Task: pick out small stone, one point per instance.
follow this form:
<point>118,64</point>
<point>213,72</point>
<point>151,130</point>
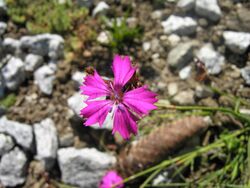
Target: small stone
<point>83,167</point>
<point>162,178</point>
<point>13,168</point>
<point>186,5</point>
<point>179,25</point>
<point>101,8</point>
<point>66,140</point>
<point>203,22</point>
<point>155,56</point>
<point>12,46</point>
<point>22,133</point>
<point>44,77</point>
<point>6,144</point>
<point>209,9</point>
<point>185,72</point>
<point>181,55</point>
<point>78,78</point>
<point>243,15</point>
<point>132,22</point>
<point>213,60</point>
<point>157,14</point>
<point>174,39</point>
<point>202,92</point>
<point>46,142</point>
<point>146,46</point>
<point>155,45</point>
<point>184,98</point>
<point>3,27</point>
<point>245,73</point>
<point>13,73</point>
<point>32,62</point>
<point>104,37</point>
<point>238,42</point>
<point>172,89</point>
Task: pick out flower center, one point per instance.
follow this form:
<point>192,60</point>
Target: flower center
<point>116,95</point>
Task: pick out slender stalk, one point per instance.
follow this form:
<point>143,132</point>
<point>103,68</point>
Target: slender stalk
<point>206,108</point>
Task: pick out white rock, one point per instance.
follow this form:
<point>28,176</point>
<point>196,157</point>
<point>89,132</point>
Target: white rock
<point>209,9</point>
<point>12,46</point>
<point>172,88</point>
<point>181,55</point>
<point>32,62</point>
<point>173,39</point>
<point>22,133</point>
<point>78,78</point>
<point>245,73</point>
<point>155,56</point>
<point>100,8</point>
<point>3,27</point>
<point>50,45</point>
<point>46,142</point>
<point>179,25</point>
<point>104,37</point>
<point>238,42</point>
<point>184,98</point>
<point>44,77</point>
<point>13,168</point>
<point>13,73</point>
<point>213,60</point>
<point>6,144</point>
<point>76,103</point>
<point>185,72</point>
<point>186,5</point>
<point>146,46</point>
<point>83,167</point>
<point>56,47</point>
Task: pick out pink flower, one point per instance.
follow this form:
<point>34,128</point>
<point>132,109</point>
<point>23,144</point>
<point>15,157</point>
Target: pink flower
<point>110,179</point>
<point>125,104</point>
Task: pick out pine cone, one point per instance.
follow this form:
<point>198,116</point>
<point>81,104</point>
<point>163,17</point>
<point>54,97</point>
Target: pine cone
<point>159,144</point>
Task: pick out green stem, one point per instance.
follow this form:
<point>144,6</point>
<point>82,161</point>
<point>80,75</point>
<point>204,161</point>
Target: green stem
<point>206,108</point>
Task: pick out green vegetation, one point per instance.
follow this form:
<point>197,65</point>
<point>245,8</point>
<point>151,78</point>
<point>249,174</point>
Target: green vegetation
<point>122,35</point>
<point>45,16</point>
<point>224,161</point>
<point>8,101</point>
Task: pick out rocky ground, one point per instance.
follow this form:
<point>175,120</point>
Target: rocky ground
<point>42,140</point>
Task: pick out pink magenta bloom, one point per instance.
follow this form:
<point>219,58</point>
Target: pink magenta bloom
<point>110,179</point>
<point>124,105</point>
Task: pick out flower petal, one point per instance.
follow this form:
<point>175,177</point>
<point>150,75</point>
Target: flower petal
<point>124,122</point>
<point>96,111</point>
<point>94,86</point>
<point>111,178</point>
<point>123,70</point>
<point>140,100</point>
